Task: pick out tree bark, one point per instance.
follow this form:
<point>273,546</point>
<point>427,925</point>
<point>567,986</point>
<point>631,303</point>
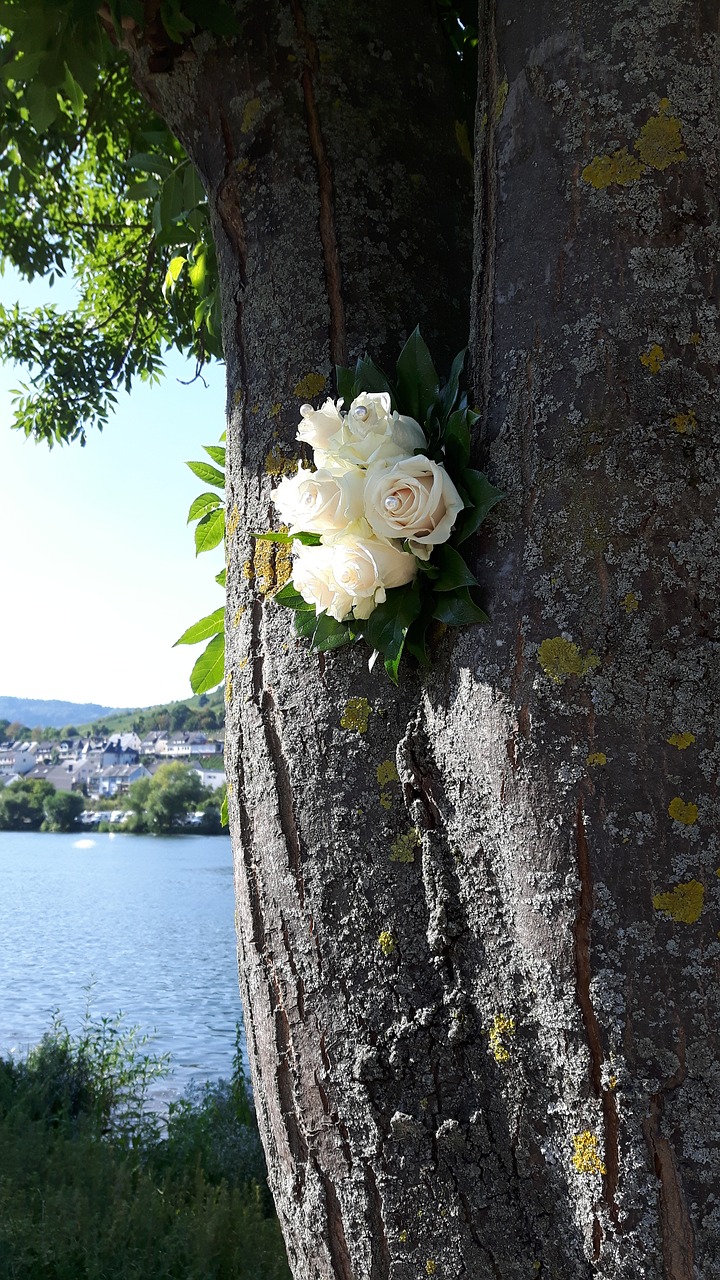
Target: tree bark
<point>476,914</point>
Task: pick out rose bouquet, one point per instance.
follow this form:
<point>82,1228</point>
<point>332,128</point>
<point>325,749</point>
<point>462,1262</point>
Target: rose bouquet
<point>376,522</point>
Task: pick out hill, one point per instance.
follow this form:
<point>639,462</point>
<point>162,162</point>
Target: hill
<point>188,713</point>
<point>52,713</point>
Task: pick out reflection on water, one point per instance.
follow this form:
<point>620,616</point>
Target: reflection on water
<point>148,921</point>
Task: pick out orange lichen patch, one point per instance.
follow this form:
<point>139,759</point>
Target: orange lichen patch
<point>559,658</point>
<point>356,715</point>
<point>684,903</point>
<point>660,142</point>
<point>586,1157</point>
<point>279,464</point>
<point>630,602</point>
<point>596,757</point>
<point>309,386</point>
<point>653,358</point>
<point>618,168</point>
<point>681,740</point>
<point>684,423</point>
<point>249,115</point>
<point>681,812</point>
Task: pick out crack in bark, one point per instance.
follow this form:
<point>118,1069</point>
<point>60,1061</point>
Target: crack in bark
<point>415,778</point>
<point>675,1224</point>
<point>483,291</point>
<point>283,792</point>
<point>379,1245</point>
<point>583,922</point>
<point>337,1242</point>
<point>326,216</point>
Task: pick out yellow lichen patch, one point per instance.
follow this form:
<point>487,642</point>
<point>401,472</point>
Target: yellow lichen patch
<point>243,663</point>
<point>500,99</point>
<point>386,942</point>
<point>461,137</point>
<point>403,847</point>
<point>278,464</point>
<point>612,1082</point>
<point>619,167</point>
<point>403,1237</point>
<point>248,570</point>
<point>681,812</point>
<point>431,1266</point>
<point>264,566</point>
<point>630,602</point>
<point>283,563</point>
<point>596,757</point>
<point>228,688</point>
<point>386,800</point>
<point>502,1029</point>
<point>275,410</point>
<point>356,715</point>
<point>695,338</point>
<point>681,740</point>
<point>232,522</point>
<point>683,903</point>
<point>238,615</point>
<point>386,772</point>
<point>586,1157</point>
<point>684,423</point>
<point>653,358</point>
<point>249,115</point>
<point>660,142</point>
<point>559,658</point>
<point>309,386</point>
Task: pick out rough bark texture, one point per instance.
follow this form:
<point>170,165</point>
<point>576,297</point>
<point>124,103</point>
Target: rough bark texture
<point>522,1080</point>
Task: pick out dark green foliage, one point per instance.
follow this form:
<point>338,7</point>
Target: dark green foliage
<point>62,811</point>
<point>22,804</point>
<point>86,1194</point>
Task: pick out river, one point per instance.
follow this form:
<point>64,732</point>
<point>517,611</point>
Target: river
<point>145,922</point>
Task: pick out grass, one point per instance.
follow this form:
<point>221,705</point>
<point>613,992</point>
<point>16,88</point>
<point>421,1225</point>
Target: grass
<point>93,1186</point>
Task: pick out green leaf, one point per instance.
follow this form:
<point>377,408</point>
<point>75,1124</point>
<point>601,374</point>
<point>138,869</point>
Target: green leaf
<point>74,93</point>
<point>161,166</point>
<point>221,578</point>
<point>172,275</point>
<point>42,104</point>
<point>387,626</point>
<point>210,530</point>
<point>345,379</point>
<point>202,630</point>
<point>208,474</point>
<point>305,621</point>
<point>273,535</point>
<point>416,638</point>
<point>454,572</point>
<point>457,440</point>
<point>448,395</point>
<point>483,497</point>
<point>417,379</point>
<point>202,504</point>
<point>216,452</point>
<point>458,610</point>
<point>330,634</point>
<point>369,378</point>
<point>291,598</point>
<point>209,669</point>
<point>224,820</point>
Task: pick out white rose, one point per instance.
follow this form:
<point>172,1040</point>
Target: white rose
<point>371,432</point>
<point>318,425</point>
<point>363,569</point>
<point>414,499</point>
<point>313,577</point>
<point>318,502</point>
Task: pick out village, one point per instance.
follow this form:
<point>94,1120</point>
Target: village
<point>103,768</point>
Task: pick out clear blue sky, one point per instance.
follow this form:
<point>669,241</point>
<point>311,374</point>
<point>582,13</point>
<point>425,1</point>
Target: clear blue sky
<point>98,575</point>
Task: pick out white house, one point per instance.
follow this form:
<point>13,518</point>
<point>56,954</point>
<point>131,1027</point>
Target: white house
<point>12,761</point>
<point>116,778</point>
<point>213,778</point>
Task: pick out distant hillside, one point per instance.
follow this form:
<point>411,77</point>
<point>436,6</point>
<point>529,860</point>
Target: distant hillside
<point>187,713</point>
<point>50,713</point>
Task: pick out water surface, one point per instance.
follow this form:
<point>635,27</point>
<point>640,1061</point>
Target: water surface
<point>147,920</point>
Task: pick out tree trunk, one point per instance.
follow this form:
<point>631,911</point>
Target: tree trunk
<point>478,948</point>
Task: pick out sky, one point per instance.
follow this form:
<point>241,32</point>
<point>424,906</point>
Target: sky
<point>98,575</point>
